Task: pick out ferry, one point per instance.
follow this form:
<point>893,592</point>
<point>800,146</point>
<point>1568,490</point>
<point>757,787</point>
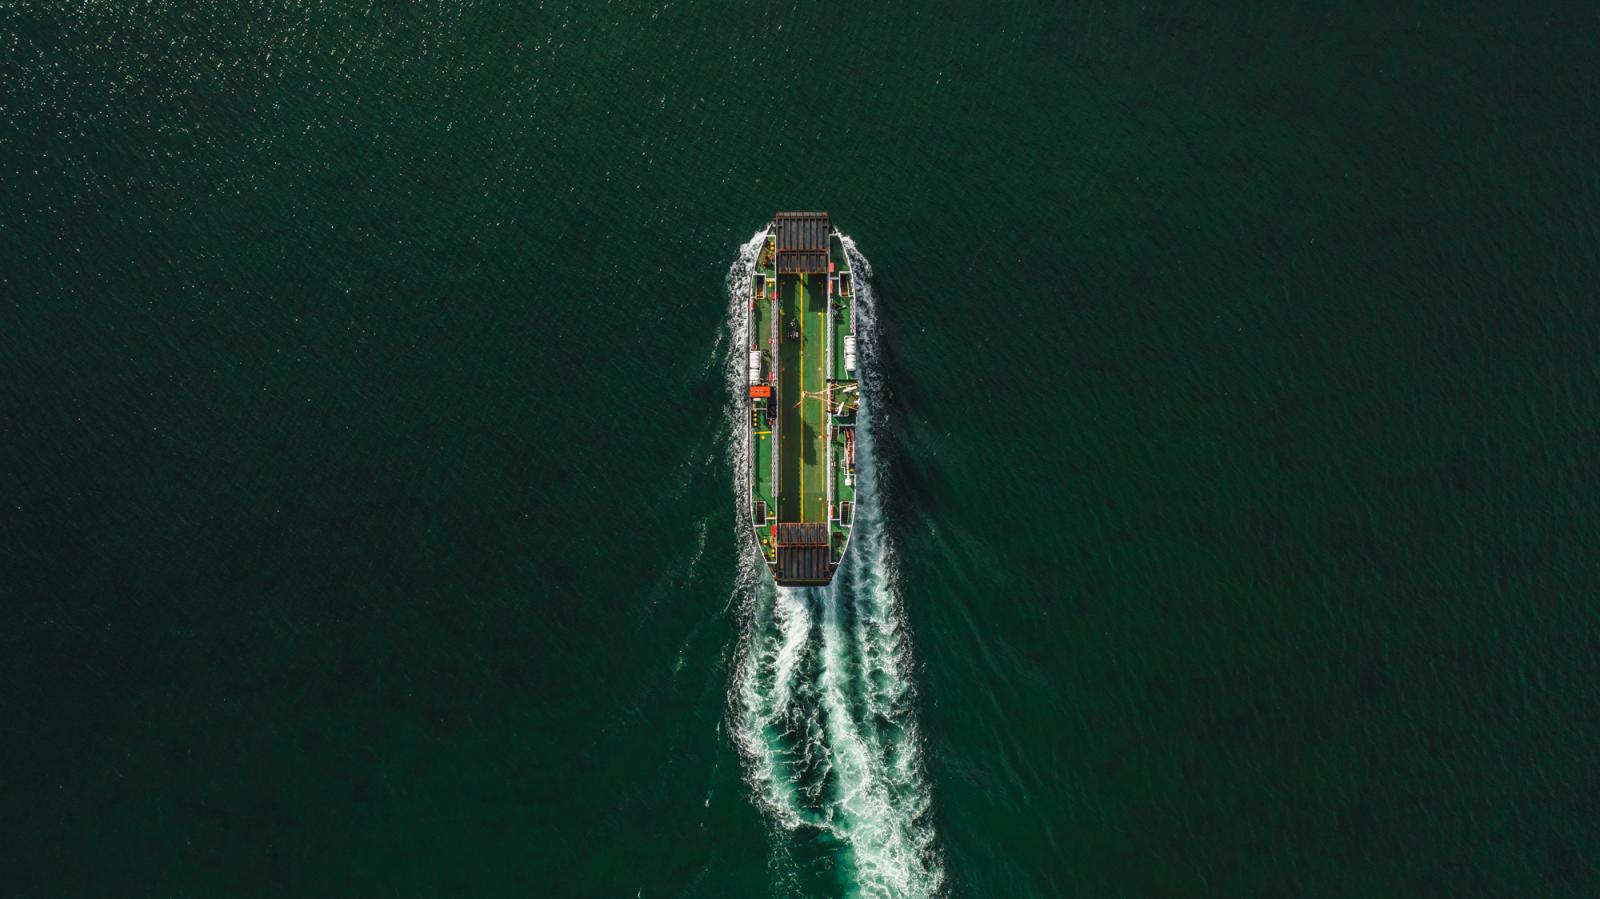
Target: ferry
<point>803,399</point>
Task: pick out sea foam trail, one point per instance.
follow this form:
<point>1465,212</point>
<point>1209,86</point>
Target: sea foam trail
<point>821,700</point>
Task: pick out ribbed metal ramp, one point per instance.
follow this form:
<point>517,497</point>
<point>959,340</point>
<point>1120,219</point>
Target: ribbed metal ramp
<point>804,558</point>
<point>802,239</point>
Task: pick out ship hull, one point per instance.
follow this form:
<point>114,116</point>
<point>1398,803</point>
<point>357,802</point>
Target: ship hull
<point>802,399</point>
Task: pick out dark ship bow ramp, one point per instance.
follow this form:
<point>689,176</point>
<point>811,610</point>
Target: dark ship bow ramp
<point>802,242</point>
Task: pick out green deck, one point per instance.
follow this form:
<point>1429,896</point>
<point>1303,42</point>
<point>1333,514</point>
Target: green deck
<point>802,418</point>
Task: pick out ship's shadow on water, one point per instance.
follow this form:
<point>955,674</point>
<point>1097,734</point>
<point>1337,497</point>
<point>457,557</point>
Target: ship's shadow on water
<point>822,702</point>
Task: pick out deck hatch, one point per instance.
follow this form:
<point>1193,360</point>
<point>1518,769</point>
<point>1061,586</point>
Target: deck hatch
<point>802,242</point>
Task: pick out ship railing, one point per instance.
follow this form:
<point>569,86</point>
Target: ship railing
<point>827,390</point>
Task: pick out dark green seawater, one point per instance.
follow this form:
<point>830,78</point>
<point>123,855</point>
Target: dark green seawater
<point>368,507</point>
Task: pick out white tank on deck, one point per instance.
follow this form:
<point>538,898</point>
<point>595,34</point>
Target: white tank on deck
<point>755,366</point>
<point>849,354</point>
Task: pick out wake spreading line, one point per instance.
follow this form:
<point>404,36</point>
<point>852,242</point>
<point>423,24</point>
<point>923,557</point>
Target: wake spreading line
<point>821,703</point>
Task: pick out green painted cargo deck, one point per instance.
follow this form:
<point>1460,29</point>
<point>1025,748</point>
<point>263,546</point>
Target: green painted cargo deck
<point>802,418</point>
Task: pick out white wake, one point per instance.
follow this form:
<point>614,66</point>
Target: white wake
<point>821,700</point>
